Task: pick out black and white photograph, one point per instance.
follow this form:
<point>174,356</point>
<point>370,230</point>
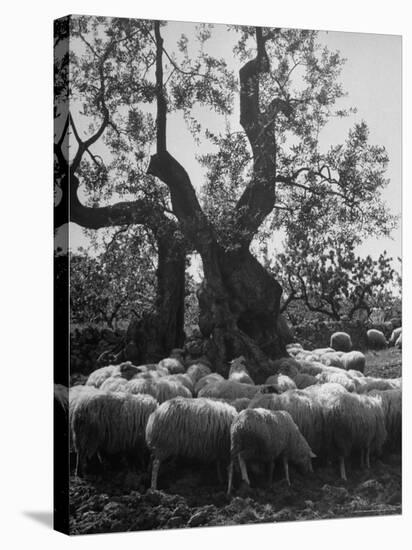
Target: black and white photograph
<point>227,274</point>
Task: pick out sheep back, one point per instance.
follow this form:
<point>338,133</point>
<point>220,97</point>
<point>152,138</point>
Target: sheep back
<point>208,379</point>
<point>286,365</point>
<point>341,341</point>
<point>193,428</point>
<point>264,434</point>
<point>354,360</point>
<point>332,360</point>
<point>376,339</point>
<point>305,411</point>
<point>351,421</point>
<point>198,371</point>
<point>114,384</point>
<point>303,380</point>
<point>281,382</point>
<point>173,365</point>
<point>391,401</point>
<point>110,422</point>
<point>98,376</point>
<point>228,389</point>
<point>242,377</point>
<point>337,378</point>
<point>395,335</point>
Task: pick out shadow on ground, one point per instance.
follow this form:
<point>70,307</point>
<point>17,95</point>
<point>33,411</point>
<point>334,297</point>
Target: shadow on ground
<point>44,518</point>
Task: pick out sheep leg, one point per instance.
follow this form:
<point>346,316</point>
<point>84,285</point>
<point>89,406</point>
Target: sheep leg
<point>368,464</point>
<point>77,469</point>
<point>219,472</point>
<point>362,459</point>
<point>271,468</point>
<point>286,467</point>
<point>230,478</point>
<point>155,473</point>
<point>342,468</point>
<point>243,469</point>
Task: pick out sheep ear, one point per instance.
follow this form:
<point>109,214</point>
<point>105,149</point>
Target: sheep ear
<point>312,455</point>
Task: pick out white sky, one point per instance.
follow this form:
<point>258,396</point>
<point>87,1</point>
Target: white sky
<point>372,78</point>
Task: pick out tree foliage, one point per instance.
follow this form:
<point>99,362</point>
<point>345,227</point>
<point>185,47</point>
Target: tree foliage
<point>113,279</point>
<point>329,278</point>
<point>267,175</point>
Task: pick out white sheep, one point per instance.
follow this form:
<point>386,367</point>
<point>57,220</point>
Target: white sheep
<point>98,376</point>
<point>355,373</point>
<point>309,367</point>
<point>322,351</point>
<point>208,379</point>
<point>341,341</point>
<point>266,435</point>
<point>142,385</point>
<point>229,389</point>
<point>184,379</point>
<point>392,408</point>
<point>238,371</point>
<point>395,335</point>
<point>293,345</point>
<point>109,423</point>
<point>332,360</point>
<point>305,411</point>
<point>240,404</point>
<point>242,377</point>
<point>198,371</point>
<point>354,360</point>
<point>127,370</point>
<point>369,383</point>
<point>293,350</point>
<point>114,384</point>
<point>162,389</point>
<point>306,355</point>
<point>341,378</point>
<point>351,422</point>
<point>173,365</point>
<point>376,339</point>
<point>281,382</point>
<point>286,365</point>
<point>192,428</point>
<point>303,380</point>
<point>168,389</point>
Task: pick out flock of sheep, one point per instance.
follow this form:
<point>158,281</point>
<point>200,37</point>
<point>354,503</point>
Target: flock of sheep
<point>317,404</point>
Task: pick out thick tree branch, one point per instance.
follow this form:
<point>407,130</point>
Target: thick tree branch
<point>184,200</point>
<point>119,214</point>
<point>165,167</point>
<point>160,97</point>
<point>259,197</point>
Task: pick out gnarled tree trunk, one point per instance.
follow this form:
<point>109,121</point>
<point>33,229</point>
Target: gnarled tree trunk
<point>152,337</point>
<point>239,300</point>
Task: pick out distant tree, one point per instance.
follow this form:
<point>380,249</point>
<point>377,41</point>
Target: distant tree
<point>332,280</point>
<point>115,279</point>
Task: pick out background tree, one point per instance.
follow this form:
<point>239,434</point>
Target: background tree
<point>331,280</point>
<point>114,279</point>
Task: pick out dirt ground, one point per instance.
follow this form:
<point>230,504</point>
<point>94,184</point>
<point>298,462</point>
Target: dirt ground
<point>190,494</point>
